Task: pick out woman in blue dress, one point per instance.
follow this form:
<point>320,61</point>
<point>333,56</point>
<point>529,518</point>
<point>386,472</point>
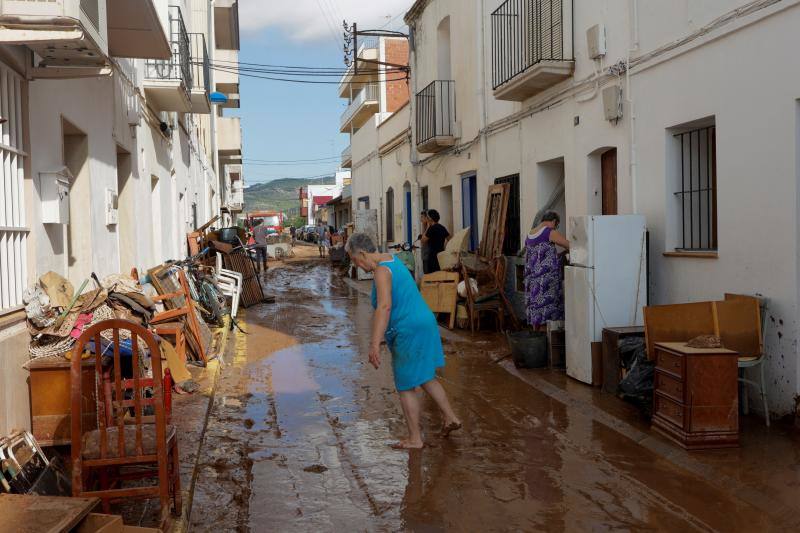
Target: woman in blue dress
<point>403,318</point>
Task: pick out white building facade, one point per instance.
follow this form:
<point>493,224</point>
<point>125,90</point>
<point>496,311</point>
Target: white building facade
<point>679,111</point>
<point>115,149</point>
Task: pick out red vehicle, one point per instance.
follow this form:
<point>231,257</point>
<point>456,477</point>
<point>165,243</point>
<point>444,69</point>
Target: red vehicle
<point>272,220</point>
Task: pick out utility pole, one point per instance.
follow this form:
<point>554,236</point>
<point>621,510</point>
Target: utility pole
<point>351,35</point>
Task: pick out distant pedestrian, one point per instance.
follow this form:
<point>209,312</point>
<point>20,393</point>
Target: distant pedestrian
<point>322,236</point>
<point>293,232</point>
<point>435,238</point>
<point>409,327</point>
<point>260,233</point>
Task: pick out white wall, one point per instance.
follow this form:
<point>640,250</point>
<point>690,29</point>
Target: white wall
<point>757,124</point>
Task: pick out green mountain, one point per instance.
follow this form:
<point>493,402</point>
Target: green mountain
<point>279,195</point>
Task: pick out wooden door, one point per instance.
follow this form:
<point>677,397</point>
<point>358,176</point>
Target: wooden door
<point>608,165</point>
<point>494,221</point>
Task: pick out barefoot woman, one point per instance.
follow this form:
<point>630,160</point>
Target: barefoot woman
<point>403,318</point>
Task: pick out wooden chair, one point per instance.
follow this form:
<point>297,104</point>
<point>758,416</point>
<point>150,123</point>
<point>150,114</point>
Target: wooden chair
<point>741,321</point>
<point>490,298</point>
<point>127,436</point>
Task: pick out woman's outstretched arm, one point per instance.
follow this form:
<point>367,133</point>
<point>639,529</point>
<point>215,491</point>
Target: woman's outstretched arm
<point>380,321</point>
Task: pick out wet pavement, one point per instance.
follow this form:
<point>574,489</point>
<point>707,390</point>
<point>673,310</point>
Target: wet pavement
<point>297,440</point>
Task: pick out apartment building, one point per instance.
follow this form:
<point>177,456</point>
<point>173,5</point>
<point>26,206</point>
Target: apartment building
<point>377,121</point>
<point>110,151</point>
<point>667,109</point>
<point>315,198</point>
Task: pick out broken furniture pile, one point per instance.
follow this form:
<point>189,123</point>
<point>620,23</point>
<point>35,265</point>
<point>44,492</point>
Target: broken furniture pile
<point>472,285</point>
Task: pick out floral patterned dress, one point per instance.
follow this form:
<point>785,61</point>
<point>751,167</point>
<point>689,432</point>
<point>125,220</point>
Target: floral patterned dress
<point>543,287</point>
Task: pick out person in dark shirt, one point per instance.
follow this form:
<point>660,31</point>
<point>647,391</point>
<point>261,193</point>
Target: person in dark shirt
<point>435,238</point>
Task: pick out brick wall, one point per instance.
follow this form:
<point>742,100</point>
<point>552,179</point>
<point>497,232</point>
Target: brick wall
<point>396,91</point>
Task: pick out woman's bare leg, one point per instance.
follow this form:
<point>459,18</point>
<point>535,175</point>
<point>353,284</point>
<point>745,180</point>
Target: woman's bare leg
<point>436,391</point>
<point>409,400</point>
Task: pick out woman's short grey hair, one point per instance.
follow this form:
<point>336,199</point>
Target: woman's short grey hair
<point>551,216</point>
<point>360,242</point>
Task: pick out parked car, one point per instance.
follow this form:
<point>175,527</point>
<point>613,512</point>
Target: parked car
<point>311,234</point>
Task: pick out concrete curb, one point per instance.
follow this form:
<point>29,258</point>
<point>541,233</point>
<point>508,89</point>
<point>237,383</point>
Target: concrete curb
<point>183,524</point>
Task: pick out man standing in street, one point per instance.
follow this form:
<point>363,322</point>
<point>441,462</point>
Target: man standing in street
<point>322,234</point>
<point>260,236</point>
<point>293,232</point>
<point>435,238</point>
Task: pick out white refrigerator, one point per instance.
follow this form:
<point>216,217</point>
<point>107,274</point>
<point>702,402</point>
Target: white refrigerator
<point>605,284</point>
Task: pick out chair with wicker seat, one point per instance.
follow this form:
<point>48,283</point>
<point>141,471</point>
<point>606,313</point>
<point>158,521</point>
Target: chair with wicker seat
<point>135,435</point>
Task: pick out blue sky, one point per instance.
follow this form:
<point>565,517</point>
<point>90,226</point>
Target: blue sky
<point>287,121</point>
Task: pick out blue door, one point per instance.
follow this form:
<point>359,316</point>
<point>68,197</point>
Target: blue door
<point>409,218</point>
<point>469,208</point>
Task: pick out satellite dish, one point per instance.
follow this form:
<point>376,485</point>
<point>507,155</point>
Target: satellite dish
<point>218,98</point>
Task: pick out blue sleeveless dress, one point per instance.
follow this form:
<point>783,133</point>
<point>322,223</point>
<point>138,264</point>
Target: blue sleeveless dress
<point>412,334</point>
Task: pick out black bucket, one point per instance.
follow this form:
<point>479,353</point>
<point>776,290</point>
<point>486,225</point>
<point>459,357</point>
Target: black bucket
<point>528,348</point>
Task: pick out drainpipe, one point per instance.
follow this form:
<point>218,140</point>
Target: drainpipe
<point>212,41</point>
<point>412,147</point>
<point>482,84</point>
<point>634,46</point>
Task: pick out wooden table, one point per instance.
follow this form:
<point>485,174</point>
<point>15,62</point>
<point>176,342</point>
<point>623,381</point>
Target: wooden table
<point>612,371</point>
<point>51,403</point>
<point>22,513</point>
<point>695,402</point>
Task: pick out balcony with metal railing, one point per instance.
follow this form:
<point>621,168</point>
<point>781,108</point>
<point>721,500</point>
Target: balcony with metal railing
<point>436,127</point>
<point>368,50</point>
<point>201,85</point>
<point>347,157</point>
<point>532,47</point>
<point>364,105</point>
<point>168,83</point>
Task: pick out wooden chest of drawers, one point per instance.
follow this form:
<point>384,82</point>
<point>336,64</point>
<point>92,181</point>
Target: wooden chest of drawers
<point>695,402</point>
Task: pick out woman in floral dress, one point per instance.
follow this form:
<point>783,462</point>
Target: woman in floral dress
<point>543,283</point>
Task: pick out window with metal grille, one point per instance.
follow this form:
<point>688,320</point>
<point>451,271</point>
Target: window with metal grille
<point>511,242</point>
<point>390,215</point>
<point>13,229</point>
<point>697,190</point>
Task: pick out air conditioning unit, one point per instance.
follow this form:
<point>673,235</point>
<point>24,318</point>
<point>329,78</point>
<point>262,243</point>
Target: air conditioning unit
<point>612,103</point>
<point>40,25</point>
<point>596,41</point>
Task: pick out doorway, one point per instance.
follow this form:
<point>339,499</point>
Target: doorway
<point>79,230</point>
<point>126,219</point>
<point>511,242</point>
<point>155,199</point>
<point>608,178</point>
<point>469,208</point>
<point>445,208</point>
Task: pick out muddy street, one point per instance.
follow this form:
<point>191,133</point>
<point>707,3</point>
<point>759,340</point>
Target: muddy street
<point>297,439</point>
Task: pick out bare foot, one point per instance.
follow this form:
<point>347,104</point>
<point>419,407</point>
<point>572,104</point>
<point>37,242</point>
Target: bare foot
<point>407,445</point>
<point>448,428</point>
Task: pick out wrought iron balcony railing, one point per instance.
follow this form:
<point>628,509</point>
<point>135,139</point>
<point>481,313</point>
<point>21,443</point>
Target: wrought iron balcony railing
<point>179,66</point>
<point>525,33</point>
<point>436,111</point>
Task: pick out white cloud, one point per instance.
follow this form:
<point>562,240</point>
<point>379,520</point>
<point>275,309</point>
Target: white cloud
<point>319,20</point>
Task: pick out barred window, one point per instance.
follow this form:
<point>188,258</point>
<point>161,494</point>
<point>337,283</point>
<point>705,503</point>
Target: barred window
<point>697,190</point>
<point>13,229</point>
